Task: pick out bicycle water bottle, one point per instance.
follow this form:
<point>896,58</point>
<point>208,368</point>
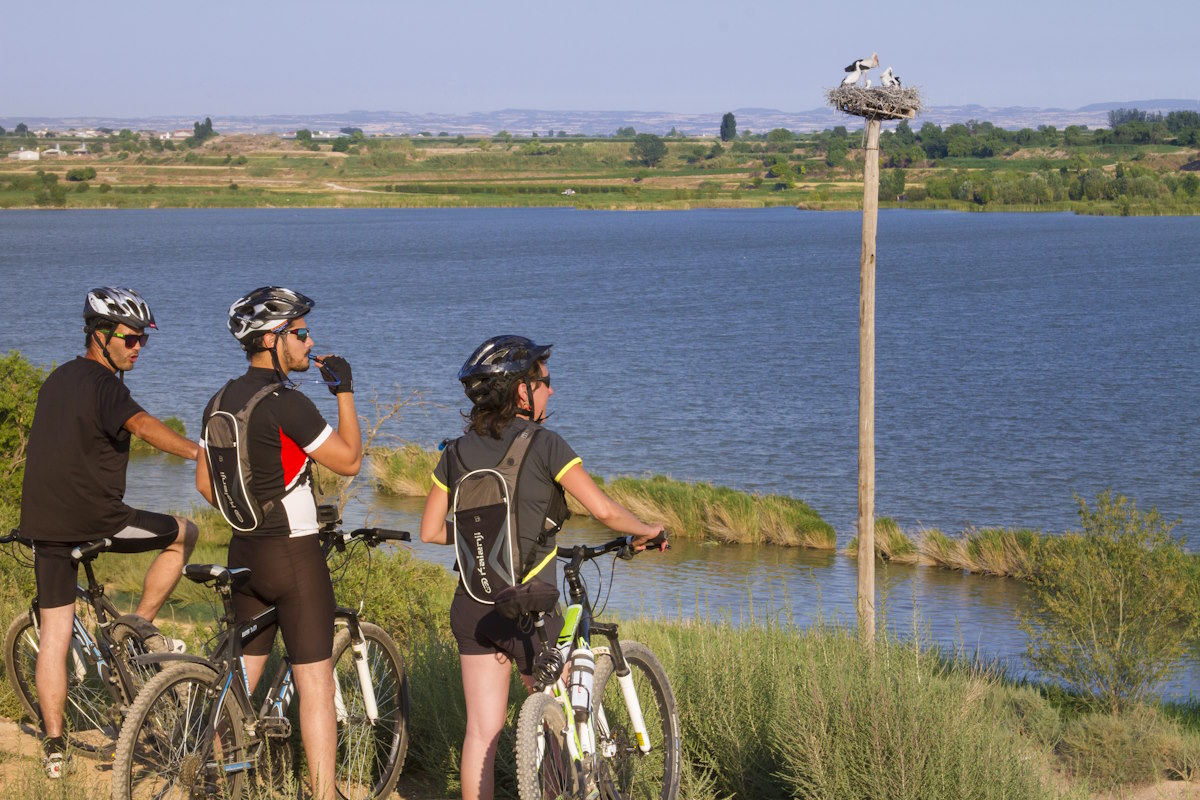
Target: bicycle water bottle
<point>583,675</point>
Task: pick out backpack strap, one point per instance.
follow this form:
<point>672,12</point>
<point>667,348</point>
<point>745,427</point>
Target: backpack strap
<point>518,451</point>
<point>242,416</point>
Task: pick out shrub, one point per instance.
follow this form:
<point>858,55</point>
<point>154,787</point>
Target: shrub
<point>21,382</point>
<point>1111,751</point>
<point>1114,606</point>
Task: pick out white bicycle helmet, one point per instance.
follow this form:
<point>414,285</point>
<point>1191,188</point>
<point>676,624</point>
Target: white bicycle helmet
<point>119,305</point>
<point>265,309</point>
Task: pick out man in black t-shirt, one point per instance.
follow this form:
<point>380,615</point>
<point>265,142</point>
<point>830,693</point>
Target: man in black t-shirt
<point>74,487</point>
<point>286,433</point>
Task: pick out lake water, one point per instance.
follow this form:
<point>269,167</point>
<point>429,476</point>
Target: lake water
<point>1020,359</point>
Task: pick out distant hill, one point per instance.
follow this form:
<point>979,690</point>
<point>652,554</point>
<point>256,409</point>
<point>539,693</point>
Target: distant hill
<point>523,122</point>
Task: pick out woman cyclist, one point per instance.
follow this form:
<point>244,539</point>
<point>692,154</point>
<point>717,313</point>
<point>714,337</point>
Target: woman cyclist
<point>508,383</point>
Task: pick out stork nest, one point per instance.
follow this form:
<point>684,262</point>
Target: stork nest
<point>896,102</point>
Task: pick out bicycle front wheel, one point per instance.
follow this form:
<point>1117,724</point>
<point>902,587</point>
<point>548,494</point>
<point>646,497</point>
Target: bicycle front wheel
<point>90,716</point>
<point>545,770</point>
<point>627,771</point>
<point>370,752</point>
<point>170,748</point>
<point>128,644</point>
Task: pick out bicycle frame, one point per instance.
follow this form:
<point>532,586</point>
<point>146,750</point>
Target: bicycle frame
<point>578,627</point>
<point>229,663</point>
<point>88,650</point>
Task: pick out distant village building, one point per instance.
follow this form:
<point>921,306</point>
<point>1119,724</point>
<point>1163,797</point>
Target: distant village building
<point>82,150</point>
<point>26,155</point>
<point>53,151</point>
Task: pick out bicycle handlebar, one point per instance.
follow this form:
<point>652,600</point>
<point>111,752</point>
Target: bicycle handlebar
<point>84,551</point>
<point>371,537</point>
<point>14,536</point>
<point>623,545</point>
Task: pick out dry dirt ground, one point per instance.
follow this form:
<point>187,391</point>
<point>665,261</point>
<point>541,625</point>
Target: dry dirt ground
<point>92,778</point>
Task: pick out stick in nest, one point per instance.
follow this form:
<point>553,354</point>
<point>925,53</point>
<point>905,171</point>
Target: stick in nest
<point>895,102</point>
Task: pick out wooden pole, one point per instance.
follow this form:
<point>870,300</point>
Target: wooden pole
<point>866,392</point>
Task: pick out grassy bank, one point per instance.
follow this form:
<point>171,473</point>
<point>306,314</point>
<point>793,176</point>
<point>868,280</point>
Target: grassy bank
<point>771,711</point>
<point>692,510</point>
<point>1005,552</point>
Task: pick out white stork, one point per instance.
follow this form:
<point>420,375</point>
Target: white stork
<point>863,64</point>
<point>852,78</point>
<point>888,79</point>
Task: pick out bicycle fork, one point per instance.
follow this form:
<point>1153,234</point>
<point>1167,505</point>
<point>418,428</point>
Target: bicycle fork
<point>633,705</point>
<point>358,646</point>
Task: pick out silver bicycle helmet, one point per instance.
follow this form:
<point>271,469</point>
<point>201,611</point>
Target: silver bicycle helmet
<point>118,305</point>
<point>265,309</point>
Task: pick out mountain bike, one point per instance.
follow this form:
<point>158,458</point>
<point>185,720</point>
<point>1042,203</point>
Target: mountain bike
<point>103,675</point>
<point>611,731</point>
<point>195,732</point>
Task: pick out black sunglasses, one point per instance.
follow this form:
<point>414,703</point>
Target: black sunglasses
<point>542,379</point>
<point>130,339</point>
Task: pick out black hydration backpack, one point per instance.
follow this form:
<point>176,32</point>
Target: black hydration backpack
<point>227,448</point>
<point>486,531</point>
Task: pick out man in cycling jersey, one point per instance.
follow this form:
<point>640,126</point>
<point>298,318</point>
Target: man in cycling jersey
<point>286,433</point>
<point>74,487</point>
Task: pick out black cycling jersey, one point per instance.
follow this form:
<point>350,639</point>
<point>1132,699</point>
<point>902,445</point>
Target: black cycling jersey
<point>74,485</point>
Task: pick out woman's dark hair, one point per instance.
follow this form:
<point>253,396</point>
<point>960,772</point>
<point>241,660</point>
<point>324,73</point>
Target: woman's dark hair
<point>491,415</point>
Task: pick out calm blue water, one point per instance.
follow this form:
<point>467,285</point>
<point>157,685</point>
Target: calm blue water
<point>1020,358</point>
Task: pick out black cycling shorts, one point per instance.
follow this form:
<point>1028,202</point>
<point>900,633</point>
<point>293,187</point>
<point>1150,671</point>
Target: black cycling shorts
<point>57,576</point>
<point>481,630</point>
<point>289,573</point>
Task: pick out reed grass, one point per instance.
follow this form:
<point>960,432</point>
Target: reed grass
<point>405,471</point>
<point>1005,552</point>
<point>692,510</point>
<point>141,447</point>
<point>717,513</point>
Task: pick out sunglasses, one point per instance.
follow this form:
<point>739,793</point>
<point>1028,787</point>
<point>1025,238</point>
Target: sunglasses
<point>131,339</point>
<point>542,379</point>
<point>301,334</point>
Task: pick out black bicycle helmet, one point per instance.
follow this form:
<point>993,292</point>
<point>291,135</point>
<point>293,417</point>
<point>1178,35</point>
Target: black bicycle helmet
<point>117,305</point>
<point>265,309</point>
<point>496,363</point>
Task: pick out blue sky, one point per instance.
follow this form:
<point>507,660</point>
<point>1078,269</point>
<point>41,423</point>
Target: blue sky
<point>223,58</point>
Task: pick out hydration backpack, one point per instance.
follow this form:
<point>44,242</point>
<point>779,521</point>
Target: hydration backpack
<point>486,531</point>
<point>226,446</point>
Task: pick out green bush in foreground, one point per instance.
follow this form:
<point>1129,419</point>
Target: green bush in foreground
<point>20,382</point>
<point>1116,605</point>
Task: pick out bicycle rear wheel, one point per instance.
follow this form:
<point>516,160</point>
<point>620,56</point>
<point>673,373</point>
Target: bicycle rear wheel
<point>626,772</point>
<point>545,770</point>
<point>370,754</point>
<point>167,748</point>
<point>90,716</point>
